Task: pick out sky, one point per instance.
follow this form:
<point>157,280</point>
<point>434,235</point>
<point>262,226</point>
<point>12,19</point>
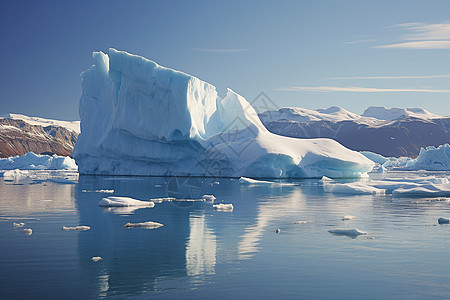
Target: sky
<point>310,54</point>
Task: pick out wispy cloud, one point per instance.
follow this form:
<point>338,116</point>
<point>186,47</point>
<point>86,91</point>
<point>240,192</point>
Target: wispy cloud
<point>422,36</point>
<point>211,50</point>
<point>393,77</point>
<point>325,89</point>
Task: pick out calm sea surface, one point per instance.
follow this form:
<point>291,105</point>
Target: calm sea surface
<point>201,253</point>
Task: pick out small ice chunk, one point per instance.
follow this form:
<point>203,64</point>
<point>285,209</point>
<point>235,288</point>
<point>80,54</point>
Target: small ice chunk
<point>223,207</point>
<point>96,258</point>
<point>444,221</point>
<point>325,178</point>
<point>277,230</point>
<point>18,224</point>
<point>209,197</point>
<point>246,180</point>
<point>354,188</point>
<point>123,202</point>
<point>158,185</point>
<point>302,222</point>
<point>146,225</point>
<point>28,231</point>
<point>161,200</point>
<point>348,217</point>
<point>76,228</point>
<point>354,232</point>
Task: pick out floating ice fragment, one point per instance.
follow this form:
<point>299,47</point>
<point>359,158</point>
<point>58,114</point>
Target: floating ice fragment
<point>354,232</point>
<point>277,230</point>
<point>444,221</point>
<point>99,191</point>
<point>223,207</point>
<point>325,178</point>
<point>354,188</point>
<point>96,258</point>
<point>76,228</point>
<point>348,217</point>
<point>161,200</point>
<point>302,222</point>
<point>18,224</point>
<point>28,231</point>
<point>123,202</point>
<point>146,225</point>
<point>246,180</point>
<point>209,197</point>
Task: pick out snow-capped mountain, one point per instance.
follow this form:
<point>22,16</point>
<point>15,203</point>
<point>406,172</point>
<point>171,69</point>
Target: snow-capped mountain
<point>388,114</point>
<point>20,134</point>
<point>390,132</point>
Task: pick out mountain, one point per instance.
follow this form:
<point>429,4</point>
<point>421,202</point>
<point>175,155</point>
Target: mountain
<point>20,134</point>
<point>390,132</point>
<point>140,118</point>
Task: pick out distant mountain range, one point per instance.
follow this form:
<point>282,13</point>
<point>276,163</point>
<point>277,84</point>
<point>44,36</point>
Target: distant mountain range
<point>20,134</point>
<point>389,132</point>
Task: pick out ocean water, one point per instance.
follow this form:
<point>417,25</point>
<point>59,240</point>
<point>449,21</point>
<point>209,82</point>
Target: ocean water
<point>201,253</point>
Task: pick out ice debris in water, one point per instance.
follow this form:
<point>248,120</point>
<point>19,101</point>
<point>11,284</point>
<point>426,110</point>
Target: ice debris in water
<point>302,222</point>
<point>96,258</point>
<point>444,221</point>
<point>76,228</point>
<point>146,225</point>
<point>354,232</point>
<point>209,197</point>
<point>15,225</point>
<point>124,201</point>
<point>348,217</point>
<point>223,207</point>
<point>99,191</point>
<point>28,231</point>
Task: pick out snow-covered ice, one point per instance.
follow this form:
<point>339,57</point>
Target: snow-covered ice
<point>223,207</point>
<point>124,202</point>
<point>146,225</point>
<point>383,113</point>
<point>96,258</point>
<point>138,118</point>
<point>353,232</point>
<point>76,228</point>
<point>70,125</point>
<point>431,159</point>
<point>209,197</point>
<point>354,188</point>
<point>31,161</point>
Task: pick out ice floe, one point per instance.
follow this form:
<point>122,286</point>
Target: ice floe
<point>348,217</point>
<point>99,191</point>
<point>28,231</point>
<point>146,225</point>
<point>76,228</point>
<point>302,222</point>
<point>16,225</point>
<point>96,258</point>
<point>223,207</point>
<point>209,197</point>
<point>353,232</point>
<point>124,202</point>
<point>426,186</point>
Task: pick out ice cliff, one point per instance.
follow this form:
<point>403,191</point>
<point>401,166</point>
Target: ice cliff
<point>139,118</point>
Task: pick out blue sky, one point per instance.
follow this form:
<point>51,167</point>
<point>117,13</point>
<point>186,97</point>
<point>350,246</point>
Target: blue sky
<point>311,54</point>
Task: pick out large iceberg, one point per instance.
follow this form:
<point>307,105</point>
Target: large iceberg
<point>32,161</point>
<point>138,118</point>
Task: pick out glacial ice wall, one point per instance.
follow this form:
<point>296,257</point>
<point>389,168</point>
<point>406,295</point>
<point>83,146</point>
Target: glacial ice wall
<point>138,118</point>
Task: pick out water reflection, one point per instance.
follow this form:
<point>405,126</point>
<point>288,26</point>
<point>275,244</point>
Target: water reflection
<point>201,247</point>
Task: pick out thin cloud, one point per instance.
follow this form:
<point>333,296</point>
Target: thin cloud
<point>393,77</point>
<point>326,89</point>
<point>210,50</point>
<point>422,36</point>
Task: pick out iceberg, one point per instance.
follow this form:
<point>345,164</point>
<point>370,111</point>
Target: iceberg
<point>139,118</point>
<point>431,159</point>
<point>31,161</point>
